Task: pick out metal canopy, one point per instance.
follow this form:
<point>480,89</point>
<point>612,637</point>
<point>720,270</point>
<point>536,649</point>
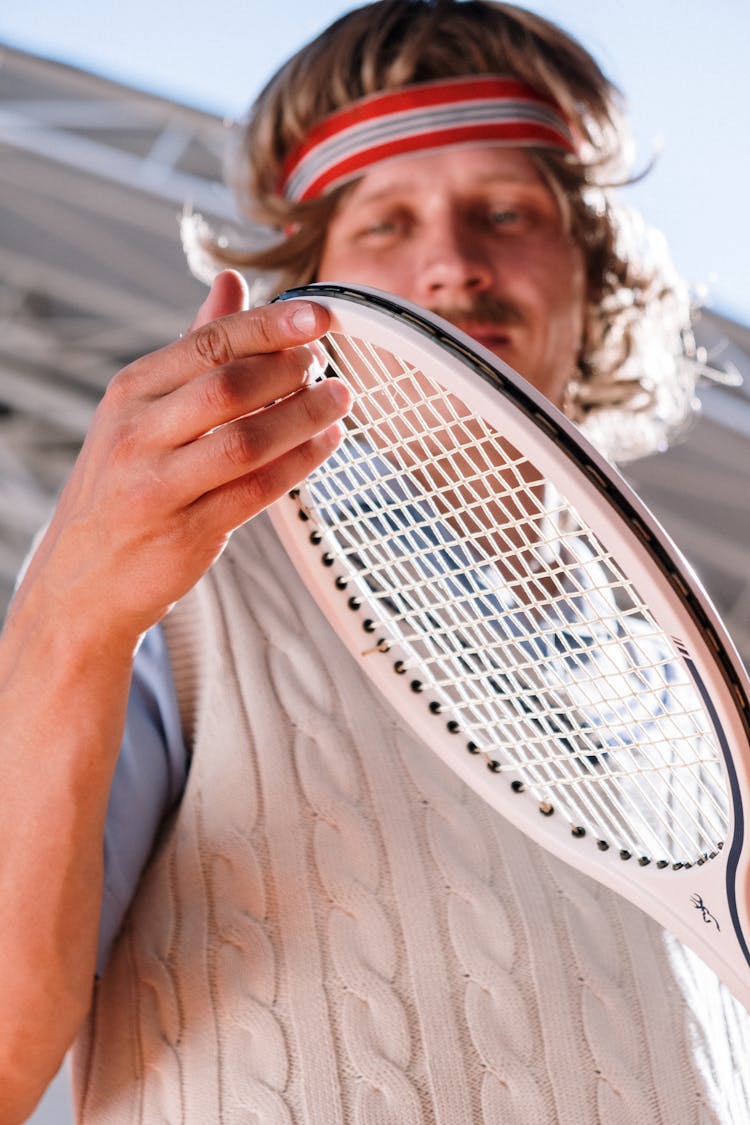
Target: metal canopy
<point>93,176</point>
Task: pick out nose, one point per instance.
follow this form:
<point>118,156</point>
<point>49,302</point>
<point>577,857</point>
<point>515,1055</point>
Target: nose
<point>454,263</point>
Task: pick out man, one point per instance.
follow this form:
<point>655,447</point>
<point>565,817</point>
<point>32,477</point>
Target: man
<point>331,927</point>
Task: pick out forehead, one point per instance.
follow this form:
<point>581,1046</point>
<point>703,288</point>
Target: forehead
<point>454,170</point>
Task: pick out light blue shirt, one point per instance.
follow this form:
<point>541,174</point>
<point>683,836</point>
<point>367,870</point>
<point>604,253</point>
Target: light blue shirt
<point>149,779</point>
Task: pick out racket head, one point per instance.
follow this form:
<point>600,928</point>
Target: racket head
<point>571,787</point>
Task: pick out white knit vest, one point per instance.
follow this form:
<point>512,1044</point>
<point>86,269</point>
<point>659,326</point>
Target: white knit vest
<point>336,931</point>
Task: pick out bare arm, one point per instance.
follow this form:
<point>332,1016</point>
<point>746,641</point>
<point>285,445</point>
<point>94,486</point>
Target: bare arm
<point>187,444</point>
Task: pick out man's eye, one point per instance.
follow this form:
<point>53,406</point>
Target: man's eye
<point>385,226</point>
<point>504,217</point>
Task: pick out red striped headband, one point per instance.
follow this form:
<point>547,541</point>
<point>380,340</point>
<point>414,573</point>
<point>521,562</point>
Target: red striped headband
<point>421,118</point>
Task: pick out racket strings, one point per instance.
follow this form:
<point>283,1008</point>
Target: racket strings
<point>511,616</point>
<point>536,728</point>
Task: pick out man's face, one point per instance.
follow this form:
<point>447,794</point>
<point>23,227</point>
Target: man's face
<point>475,235</point>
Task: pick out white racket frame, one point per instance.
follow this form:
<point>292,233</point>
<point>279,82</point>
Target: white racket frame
<point>704,904</point>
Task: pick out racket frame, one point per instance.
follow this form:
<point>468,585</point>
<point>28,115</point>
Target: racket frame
<point>703,903</point>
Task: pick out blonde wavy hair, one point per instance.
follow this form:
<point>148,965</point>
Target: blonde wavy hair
<point>634,387</point>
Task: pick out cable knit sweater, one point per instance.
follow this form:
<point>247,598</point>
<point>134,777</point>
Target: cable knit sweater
<point>334,929</point>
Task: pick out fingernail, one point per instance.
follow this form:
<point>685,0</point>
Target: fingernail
<point>337,432</point>
<point>304,318</point>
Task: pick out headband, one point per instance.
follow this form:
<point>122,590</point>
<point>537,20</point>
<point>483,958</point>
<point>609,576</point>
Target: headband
<point>421,118</point>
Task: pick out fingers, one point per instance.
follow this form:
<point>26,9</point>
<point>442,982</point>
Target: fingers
<point>233,504</point>
<point>251,444</point>
<point>230,392</point>
<point>260,332</point>
<point>236,337</point>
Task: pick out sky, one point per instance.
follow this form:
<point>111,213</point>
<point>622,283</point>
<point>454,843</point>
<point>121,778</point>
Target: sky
<point>683,64</point>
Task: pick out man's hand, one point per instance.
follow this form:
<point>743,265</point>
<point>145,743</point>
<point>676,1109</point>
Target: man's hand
<point>187,444</point>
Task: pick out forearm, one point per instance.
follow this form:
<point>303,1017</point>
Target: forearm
<point>62,704</point>
<point>186,445</point>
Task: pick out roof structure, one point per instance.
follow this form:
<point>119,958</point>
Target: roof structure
<point>93,177</point>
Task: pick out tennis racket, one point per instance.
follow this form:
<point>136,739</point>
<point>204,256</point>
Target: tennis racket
<point>529,619</point>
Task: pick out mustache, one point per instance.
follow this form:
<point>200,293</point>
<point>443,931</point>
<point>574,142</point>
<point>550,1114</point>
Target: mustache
<point>484,309</point>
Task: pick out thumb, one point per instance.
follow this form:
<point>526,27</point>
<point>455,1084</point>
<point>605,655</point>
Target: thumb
<point>228,294</point>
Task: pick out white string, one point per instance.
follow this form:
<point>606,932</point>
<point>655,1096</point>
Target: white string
<point>514,616</point>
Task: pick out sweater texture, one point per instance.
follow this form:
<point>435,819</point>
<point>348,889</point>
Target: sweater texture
<point>334,930</point>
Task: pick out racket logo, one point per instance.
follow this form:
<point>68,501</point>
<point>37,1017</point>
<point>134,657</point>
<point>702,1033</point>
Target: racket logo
<point>706,914</point>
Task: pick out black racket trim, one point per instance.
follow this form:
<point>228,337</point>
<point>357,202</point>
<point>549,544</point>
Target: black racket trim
<point>625,504</point>
<point>616,491</point>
